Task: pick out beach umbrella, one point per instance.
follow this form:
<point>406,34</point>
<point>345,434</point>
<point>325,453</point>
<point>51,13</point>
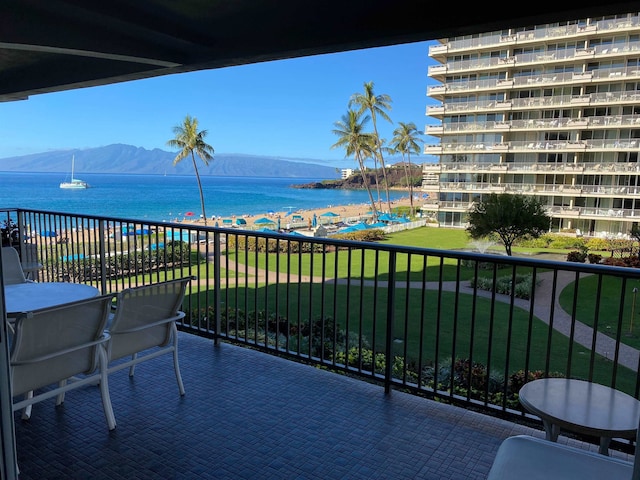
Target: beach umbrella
<point>189,214</point>
<point>266,230</point>
<point>48,233</point>
<point>329,214</point>
<point>278,223</point>
<point>263,221</point>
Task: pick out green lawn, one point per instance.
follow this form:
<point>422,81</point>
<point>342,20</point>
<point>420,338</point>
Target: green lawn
<point>612,319</point>
<point>448,330</point>
<point>365,264</point>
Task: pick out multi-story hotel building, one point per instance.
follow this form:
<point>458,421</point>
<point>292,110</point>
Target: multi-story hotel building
<point>551,111</point>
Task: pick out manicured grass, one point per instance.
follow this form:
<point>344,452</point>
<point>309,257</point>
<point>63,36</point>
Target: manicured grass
<point>448,330</point>
<point>370,265</point>
<point>429,237</point>
<point>612,319</point>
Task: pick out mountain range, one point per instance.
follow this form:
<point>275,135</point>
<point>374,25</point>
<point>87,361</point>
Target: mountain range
<point>128,159</point>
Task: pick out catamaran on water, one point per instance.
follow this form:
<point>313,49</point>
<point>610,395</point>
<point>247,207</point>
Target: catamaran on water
<point>74,183</point>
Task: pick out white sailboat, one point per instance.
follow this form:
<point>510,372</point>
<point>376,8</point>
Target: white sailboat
<point>74,183</point>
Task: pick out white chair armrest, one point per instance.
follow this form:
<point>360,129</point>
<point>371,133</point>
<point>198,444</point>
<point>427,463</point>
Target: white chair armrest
<point>528,458</point>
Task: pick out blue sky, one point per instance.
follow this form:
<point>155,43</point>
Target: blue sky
<point>284,108</point>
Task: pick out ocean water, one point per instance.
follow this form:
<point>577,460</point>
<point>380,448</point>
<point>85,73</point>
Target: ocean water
<point>165,198</point>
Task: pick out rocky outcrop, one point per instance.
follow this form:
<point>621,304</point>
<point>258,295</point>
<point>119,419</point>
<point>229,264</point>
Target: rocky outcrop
<point>395,177</point>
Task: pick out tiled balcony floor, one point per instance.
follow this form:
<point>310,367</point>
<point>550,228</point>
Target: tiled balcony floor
<point>249,415</point>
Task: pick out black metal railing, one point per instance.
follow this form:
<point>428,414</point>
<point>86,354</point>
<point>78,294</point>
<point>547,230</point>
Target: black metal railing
<point>460,326</point>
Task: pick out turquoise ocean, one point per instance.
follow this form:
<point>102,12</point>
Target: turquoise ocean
<point>165,198</point>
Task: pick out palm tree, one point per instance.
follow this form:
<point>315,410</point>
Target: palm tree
<point>190,141</point>
<point>377,105</point>
<point>356,143</point>
<point>405,141</point>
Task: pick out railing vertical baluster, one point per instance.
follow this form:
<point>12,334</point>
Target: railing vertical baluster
<point>102,235</point>
<point>390,313</point>
<point>596,319</point>
<point>217,254</point>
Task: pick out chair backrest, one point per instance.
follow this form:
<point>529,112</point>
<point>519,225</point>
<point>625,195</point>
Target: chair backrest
<point>12,272</point>
<point>56,343</point>
<point>145,316</point>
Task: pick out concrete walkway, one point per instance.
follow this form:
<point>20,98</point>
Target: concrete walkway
<point>583,334</point>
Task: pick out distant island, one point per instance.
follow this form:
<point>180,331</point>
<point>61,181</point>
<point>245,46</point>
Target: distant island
<point>127,159</point>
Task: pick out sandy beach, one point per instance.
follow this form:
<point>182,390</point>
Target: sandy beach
<point>288,217</point>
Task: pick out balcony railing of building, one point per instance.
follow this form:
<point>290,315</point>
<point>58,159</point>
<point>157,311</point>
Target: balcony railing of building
<point>535,167</point>
<point>541,188</point>
<point>595,122</point>
<point>596,213</point>
<point>595,100</point>
<point>543,80</point>
<point>436,323</point>
<point>600,145</point>
<point>539,34</point>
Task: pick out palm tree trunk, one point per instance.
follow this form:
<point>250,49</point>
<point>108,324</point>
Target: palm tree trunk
<point>375,177</point>
<point>410,183</point>
<point>195,167</point>
<point>366,184</point>
<point>406,177</point>
<point>382,165</point>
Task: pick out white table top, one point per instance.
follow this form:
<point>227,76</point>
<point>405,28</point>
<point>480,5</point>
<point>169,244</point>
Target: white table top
<point>582,407</point>
<point>25,297</point>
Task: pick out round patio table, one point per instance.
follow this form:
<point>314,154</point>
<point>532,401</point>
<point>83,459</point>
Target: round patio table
<point>583,407</point>
<point>25,297</point>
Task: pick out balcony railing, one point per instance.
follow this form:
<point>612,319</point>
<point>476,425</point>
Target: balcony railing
<point>438,323</point>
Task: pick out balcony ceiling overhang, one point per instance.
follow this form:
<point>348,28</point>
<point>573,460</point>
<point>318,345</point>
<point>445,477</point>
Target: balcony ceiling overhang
<point>56,45</point>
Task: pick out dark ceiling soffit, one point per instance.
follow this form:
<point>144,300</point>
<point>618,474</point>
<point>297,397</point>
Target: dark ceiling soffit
<point>73,44</point>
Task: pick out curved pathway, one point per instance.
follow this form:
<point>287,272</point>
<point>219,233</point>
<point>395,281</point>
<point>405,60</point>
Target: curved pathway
<point>583,334</point>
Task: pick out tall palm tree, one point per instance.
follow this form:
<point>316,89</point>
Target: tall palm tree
<point>357,143</point>
<point>405,141</point>
<point>376,105</point>
<point>190,141</point>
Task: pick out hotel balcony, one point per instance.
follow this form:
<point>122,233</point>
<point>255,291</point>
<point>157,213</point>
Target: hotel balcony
<point>594,100</point>
<point>438,72</point>
<point>322,358</point>
<point>519,146</point>
<point>574,31</point>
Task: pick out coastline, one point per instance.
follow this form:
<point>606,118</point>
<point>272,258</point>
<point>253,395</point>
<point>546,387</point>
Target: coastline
<point>343,212</point>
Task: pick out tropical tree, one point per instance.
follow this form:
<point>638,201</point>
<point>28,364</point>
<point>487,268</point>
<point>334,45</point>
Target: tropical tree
<point>358,144</point>
<point>510,216</point>
<point>405,142</point>
<point>191,142</point>
<point>376,105</point>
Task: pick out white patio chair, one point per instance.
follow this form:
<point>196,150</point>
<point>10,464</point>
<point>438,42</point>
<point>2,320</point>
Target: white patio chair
<point>12,272</point>
<point>63,345</point>
<point>523,457</point>
<point>144,325</point>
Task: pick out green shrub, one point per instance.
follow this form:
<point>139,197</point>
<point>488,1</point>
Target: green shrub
<point>524,285</point>
<point>369,235</point>
<point>598,244</point>
<point>577,256</point>
<point>594,258</point>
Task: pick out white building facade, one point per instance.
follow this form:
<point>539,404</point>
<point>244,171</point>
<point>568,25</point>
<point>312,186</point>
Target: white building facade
<point>551,111</point>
